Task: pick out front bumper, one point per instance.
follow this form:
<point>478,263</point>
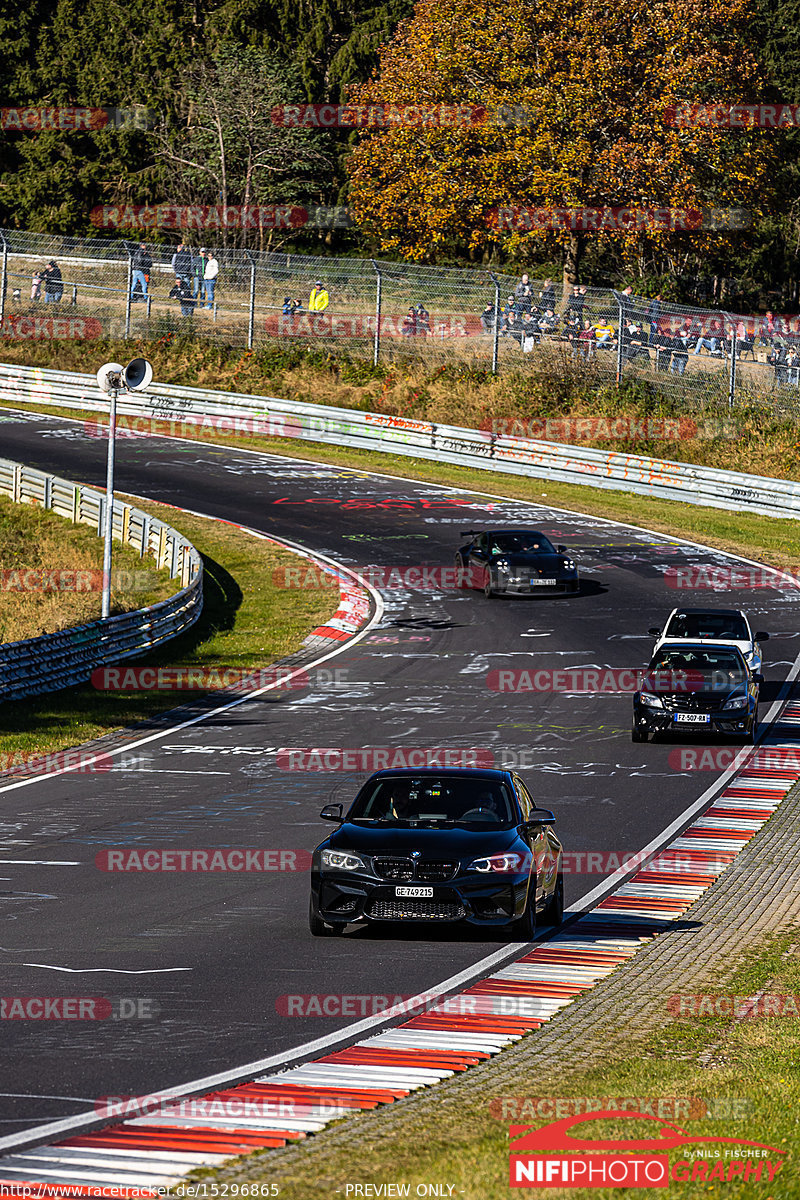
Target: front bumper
<point>509,586</point>
<point>343,900</point>
<point>653,720</point>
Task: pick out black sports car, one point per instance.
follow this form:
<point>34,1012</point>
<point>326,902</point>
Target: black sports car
<point>697,687</point>
<point>516,562</point>
<point>455,845</point>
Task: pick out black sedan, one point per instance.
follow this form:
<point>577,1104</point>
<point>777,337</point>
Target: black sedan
<point>516,562</point>
<point>696,687</point>
<point>464,845</point>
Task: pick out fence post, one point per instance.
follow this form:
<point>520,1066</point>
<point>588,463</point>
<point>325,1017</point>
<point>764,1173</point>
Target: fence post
<point>4,281</point>
<point>619,346</point>
<point>496,328</point>
<point>128,295</point>
<point>376,350</point>
<point>252,314</point>
<point>732,382</point>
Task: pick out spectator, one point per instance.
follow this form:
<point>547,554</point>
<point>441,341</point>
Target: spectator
<point>514,327</point>
<point>767,329</point>
<point>288,307</point>
<point>604,333</point>
<point>633,342</point>
<point>625,303</point>
<point>182,262</point>
<point>653,315</point>
<point>572,329</point>
<point>53,283</point>
<point>549,322</point>
<point>409,322</point>
<point>532,332</point>
<point>198,272</point>
<point>576,302</point>
<point>182,292</point>
<point>680,349</point>
<point>524,286</point>
<point>142,263</point>
<point>547,296</point>
<point>487,319</point>
<point>210,279</point>
<point>793,366</point>
<point>710,342</point>
<point>423,319</point>
<point>318,301</point>
<point>36,284</point>
<point>586,340</point>
<point>777,360</point>
<point>663,347</point>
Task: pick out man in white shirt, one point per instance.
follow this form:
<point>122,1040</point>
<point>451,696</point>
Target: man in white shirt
<point>210,279</point>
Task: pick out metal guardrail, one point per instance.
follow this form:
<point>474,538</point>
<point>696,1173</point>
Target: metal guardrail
<point>225,412</point>
<point>58,660</point>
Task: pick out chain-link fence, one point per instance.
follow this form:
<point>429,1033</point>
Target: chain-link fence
<point>383,311</point>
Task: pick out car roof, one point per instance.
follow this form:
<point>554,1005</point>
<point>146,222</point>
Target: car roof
<point>708,612</point>
<point>437,772</point>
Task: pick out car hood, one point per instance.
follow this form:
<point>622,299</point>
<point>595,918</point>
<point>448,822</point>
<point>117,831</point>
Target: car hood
<point>717,683</point>
<point>448,843</point>
<point>543,563</point>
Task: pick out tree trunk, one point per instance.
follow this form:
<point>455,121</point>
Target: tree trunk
<point>573,252</point>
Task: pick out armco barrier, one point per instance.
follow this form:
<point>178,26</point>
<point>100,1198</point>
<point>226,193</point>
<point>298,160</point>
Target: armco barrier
<point>731,490</point>
<point>58,660</point>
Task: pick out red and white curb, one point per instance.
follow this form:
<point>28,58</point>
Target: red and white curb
<point>153,1151</point>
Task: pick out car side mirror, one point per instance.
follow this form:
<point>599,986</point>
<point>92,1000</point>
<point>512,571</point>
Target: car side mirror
<point>332,812</point>
<point>758,677</point>
<point>561,549</point>
<point>761,637</point>
<point>541,816</point>
<point>654,632</point>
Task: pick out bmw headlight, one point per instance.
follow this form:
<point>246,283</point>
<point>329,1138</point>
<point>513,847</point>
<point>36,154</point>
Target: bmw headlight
<point>342,860</point>
<point>501,864</point>
<point>650,701</point>
<point>734,702</point>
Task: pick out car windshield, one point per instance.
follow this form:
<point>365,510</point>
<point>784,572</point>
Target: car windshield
<point>721,626</point>
<point>520,543</point>
<point>719,668</point>
<point>435,800</point>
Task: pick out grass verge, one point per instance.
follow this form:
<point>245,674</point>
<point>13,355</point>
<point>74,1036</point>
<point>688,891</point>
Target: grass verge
<point>51,574</point>
<point>246,623</point>
<point>745,1072</point>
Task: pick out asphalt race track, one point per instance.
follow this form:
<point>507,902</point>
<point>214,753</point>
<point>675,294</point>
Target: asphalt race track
<point>214,953</point>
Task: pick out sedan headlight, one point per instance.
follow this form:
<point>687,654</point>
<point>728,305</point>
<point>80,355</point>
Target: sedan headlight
<point>735,702</point>
<point>502,566</point>
<point>568,563</point>
<point>650,701</point>
<point>342,860</point>
<point>501,864</point>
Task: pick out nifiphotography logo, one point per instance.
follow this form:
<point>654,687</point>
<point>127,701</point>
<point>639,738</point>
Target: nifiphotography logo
<point>551,1157</point>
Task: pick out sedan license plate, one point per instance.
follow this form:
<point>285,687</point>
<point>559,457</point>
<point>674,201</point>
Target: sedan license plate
<point>693,718</point>
<point>419,893</point>
<point>543,582</point>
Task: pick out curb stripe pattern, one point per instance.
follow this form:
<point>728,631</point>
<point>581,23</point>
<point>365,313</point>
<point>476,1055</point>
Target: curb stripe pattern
<point>151,1151</point>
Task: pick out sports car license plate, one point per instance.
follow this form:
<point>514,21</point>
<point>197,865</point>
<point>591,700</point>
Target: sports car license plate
<point>419,893</point>
<point>543,582</point>
<point>693,718</point>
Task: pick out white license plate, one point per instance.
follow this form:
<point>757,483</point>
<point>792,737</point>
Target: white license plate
<point>693,718</point>
<point>544,582</point>
<point>419,893</point>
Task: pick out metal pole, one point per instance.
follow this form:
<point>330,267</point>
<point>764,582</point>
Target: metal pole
<point>619,345</point>
<point>251,321</point>
<point>496,330</point>
<point>376,352</point>
<point>4,282</point>
<point>732,385</point>
<point>112,430</point>
<point>128,297</point>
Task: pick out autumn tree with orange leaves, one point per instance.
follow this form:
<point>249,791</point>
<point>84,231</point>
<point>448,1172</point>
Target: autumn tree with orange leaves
<point>597,81</point>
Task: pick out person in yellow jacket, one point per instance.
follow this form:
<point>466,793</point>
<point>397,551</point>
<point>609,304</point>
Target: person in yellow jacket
<point>318,301</point>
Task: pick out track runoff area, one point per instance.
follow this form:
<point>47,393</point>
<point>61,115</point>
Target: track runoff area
<point>196,979</point>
